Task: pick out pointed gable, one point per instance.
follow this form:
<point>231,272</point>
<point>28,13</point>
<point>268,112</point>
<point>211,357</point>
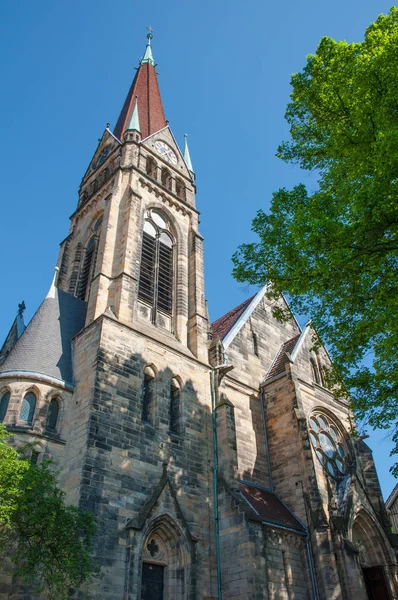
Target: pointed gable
<point>278,366</point>
<point>145,86</point>
<point>224,324</point>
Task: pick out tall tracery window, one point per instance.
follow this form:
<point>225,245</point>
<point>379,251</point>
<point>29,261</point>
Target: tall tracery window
<point>5,398</point>
<point>28,408</point>
<point>52,415</point>
<point>175,406</point>
<point>328,443</point>
<point>156,275</point>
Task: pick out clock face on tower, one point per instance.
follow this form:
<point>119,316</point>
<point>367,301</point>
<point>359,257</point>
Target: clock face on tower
<point>166,152</point>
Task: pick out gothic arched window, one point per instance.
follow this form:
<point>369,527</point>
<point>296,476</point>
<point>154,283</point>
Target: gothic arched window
<point>180,189</point>
<point>156,275</point>
<point>147,394</point>
<point>151,167</point>
<point>5,398</point>
<point>329,444</point>
<point>86,269</point>
<point>28,408</point>
<point>166,179</point>
<point>175,406</point>
<point>314,369</point>
<point>52,415</point>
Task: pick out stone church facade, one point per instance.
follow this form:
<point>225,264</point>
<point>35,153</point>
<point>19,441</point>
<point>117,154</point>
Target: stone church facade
<point>215,458</point>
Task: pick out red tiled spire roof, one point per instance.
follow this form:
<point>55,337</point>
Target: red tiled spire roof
<point>146,87</point>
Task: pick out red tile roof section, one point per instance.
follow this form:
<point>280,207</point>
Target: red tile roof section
<point>150,107</point>
<point>281,359</point>
<point>225,323</point>
<point>269,507</point>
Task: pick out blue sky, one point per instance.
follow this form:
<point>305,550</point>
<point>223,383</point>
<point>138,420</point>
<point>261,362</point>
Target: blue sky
<point>224,71</point>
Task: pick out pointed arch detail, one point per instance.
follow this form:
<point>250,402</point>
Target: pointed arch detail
<point>166,547</point>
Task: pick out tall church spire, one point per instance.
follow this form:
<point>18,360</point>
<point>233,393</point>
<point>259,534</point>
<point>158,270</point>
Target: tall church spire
<point>145,86</point>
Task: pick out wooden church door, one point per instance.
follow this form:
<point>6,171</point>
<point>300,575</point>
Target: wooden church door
<point>152,582</point>
<point>375,583</point>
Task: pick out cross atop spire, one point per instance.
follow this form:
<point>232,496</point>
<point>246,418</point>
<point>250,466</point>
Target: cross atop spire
<point>148,57</point>
<point>145,86</point>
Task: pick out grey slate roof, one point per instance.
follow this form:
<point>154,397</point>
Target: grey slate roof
<point>45,346</point>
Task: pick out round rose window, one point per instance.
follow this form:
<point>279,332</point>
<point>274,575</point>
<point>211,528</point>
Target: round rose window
<point>328,444</point>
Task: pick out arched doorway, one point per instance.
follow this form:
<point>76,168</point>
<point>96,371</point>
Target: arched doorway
<point>373,557</point>
<point>165,562</point>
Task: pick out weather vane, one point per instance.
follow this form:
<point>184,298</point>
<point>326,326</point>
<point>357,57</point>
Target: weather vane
<point>149,28</point>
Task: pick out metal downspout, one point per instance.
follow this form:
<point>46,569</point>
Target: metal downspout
<point>215,483</point>
<point>311,565</point>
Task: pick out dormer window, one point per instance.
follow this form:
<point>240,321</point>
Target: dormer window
<point>156,274</point>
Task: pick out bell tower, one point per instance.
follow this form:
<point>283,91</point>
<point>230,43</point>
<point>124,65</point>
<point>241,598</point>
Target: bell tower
<point>138,450</point>
<point>134,247</point>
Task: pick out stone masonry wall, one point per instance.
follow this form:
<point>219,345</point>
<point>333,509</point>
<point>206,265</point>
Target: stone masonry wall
<point>125,456</point>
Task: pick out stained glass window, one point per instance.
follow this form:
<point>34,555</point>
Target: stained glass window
<point>28,407</point>
<point>5,398</point>
<point>329,444</point>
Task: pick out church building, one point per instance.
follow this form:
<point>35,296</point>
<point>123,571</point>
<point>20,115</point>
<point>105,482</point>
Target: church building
<point>214,457</point>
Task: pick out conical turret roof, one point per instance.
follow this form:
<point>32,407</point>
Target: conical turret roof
<point>45,347</point>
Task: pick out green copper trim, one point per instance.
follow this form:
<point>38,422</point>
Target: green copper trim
<point>187,156</point>
<point>148,58</point>
<point>134,121</point>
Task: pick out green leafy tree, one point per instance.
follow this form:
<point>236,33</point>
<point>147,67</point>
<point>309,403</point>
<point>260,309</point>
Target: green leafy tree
<point>334,250</point>
<point>48,541</point>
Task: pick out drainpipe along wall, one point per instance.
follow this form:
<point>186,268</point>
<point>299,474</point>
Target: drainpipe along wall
<point>215,479</point>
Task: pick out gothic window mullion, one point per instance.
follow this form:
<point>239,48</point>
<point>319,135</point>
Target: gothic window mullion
<point>156,280</point>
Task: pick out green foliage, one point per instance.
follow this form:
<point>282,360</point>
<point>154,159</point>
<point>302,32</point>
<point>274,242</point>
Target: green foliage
<point>48,541</point>
<point>334,251</point>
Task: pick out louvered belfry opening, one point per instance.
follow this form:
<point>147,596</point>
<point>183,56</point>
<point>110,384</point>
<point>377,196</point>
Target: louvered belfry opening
<point>156,274</point>
<point>147,275</point>
<point>85,272</point>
